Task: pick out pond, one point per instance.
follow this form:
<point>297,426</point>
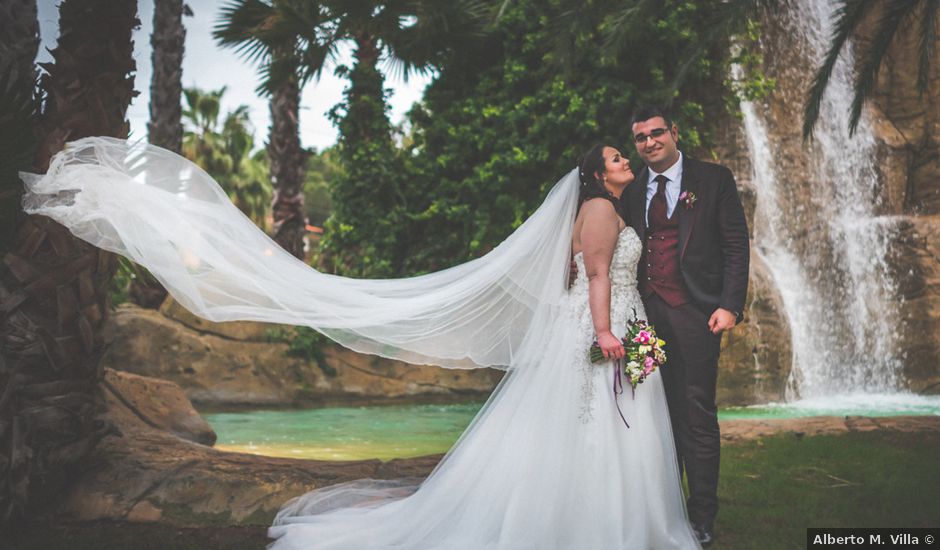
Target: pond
<point>400,431</point>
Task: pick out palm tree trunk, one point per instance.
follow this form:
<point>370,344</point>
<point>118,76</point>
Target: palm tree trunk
<point>54,287</point>
<point>19,44</point>
<point>90,82</point>
<point>165,128</point>
<point>288,164</point>
<point>19,34</point>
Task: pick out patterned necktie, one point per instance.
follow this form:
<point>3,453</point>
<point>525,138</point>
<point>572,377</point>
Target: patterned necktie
<point>658,203</point>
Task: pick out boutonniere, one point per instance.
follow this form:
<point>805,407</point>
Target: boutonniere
<point>688,198</point>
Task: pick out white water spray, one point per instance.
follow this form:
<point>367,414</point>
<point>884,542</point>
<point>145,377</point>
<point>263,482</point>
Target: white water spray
<point>817,224</point>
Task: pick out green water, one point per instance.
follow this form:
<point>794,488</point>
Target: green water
<point>400,431</point>
<point>345,433</point>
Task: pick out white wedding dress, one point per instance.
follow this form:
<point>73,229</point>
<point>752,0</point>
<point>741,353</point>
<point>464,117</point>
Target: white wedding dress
<point>548,462</point>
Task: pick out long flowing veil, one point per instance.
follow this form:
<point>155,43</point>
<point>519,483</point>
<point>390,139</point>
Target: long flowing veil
<point>168,215</point>
<point>530,471</point>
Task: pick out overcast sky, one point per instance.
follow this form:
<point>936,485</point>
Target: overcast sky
<point>208,67</point>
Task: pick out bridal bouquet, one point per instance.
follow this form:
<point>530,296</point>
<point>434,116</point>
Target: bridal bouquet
<point>644,351</point>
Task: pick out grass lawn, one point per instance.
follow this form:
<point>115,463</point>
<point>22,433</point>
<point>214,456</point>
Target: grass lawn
<point>774,488</point>
<point>771,490</point>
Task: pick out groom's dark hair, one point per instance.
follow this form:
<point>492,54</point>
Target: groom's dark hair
<point>647,112</point>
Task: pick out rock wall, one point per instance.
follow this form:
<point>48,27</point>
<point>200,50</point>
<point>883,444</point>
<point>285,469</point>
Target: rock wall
<point>907,123</point>
<point>237,364</point>
<point>756,355</point>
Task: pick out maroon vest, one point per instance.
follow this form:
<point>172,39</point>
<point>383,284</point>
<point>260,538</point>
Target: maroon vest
<point>659,271</point>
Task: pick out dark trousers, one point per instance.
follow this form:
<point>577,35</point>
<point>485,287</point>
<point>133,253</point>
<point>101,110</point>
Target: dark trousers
<point>689,377</point>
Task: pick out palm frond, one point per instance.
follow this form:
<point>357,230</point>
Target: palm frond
<point>623,24</point>
<point>870,60</point>
<point>435,30</point>
<point>271,75</point>
<point>928,40</point>
<point>563,27</point>
<point>846,19</point>
<point>241,26</point>
<point>502,9</point>
<point>314,58</point>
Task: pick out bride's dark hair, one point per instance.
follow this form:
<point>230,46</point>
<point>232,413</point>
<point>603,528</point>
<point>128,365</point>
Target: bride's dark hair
<point>590,165</point>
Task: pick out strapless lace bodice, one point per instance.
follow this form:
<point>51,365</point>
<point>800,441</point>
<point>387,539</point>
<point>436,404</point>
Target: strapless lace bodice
<point>623,292</point>
<point>624,300</point>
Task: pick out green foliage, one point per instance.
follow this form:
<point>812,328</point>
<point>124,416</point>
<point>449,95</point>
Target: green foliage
<point>322,169</point>
<point>225,152</point>
<point>363,236</point>
<point>755,84</point>
<point>892,17</point>
<point>304,343</point>
<point>128,272</point>
<point>507,119</point>
<point>413,37</point>
<point>509,115</point>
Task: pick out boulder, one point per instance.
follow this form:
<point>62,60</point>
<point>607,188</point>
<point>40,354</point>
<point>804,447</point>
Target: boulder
<point>160,404</point>
<point>144,473</point>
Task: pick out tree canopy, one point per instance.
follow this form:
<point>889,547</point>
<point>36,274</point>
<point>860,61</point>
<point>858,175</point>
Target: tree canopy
<point>507,118</point>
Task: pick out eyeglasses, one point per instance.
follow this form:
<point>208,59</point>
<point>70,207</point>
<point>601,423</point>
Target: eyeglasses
<point>657,133</point>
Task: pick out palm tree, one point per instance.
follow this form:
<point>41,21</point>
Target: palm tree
<point>166,86</point>
<point>892,16</point>
<point>54,287</point>
<point>292,40</point>
<point>19,43</point>
<point>225,152</point>
<point>165,127</point>
<point>412,37</point>
<point>19,109</point>
<point>284,38</point>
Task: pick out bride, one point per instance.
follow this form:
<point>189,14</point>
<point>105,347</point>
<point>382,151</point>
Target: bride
<point>556,458</point>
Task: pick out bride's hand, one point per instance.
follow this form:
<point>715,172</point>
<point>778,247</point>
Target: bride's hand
<point>610,345</point>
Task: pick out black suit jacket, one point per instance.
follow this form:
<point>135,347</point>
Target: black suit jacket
<point>714,252</point>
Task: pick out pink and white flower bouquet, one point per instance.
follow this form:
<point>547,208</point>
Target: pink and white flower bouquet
<point>644,351</point>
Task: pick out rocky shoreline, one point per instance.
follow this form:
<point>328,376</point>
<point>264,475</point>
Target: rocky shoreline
<point>154,468</point>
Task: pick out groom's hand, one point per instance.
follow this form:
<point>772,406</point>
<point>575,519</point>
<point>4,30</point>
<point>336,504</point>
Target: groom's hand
<point>721,320</point>
<point>572,273</point>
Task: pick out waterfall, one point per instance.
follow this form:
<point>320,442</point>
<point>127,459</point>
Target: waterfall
<point>818,223</point>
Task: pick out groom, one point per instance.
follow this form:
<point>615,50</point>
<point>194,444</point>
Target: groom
<point>693,277</point>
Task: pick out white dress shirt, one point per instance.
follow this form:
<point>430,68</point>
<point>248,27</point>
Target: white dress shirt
<point>673,186</point>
